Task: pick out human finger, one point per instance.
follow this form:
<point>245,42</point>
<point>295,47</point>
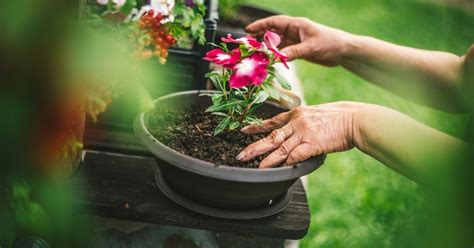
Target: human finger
<point>269,143</point>
<point>281,154</point>
<point>277,23</point>
<point>296,51</point>
<point>301,153</point>
<point>268,125</point>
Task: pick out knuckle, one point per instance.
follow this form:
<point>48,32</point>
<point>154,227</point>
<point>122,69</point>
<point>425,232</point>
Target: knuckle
<point>292,159</point>
<point>304,19</point>
<point>284,150</point>
<point>297,110</point>
<point>274,136</point>
<point>273,121</point>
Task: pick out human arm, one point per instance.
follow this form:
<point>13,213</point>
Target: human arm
<point>398,141</point>
<point>428,77</point>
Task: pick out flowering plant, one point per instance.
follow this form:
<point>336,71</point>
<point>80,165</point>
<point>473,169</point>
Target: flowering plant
<point>156,25</point>
<point>246,80</point>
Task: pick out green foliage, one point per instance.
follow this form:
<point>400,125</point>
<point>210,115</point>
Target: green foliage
<point>228,8</point>
<point>188,23</point>
<point>234,105</point>
<point>356,201</point>
<point>187,26</point>
<point>237,105</point>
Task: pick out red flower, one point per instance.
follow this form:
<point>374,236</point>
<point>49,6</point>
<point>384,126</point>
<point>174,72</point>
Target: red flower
<point>272,40</point>
<point>250,71</point>
<point>248,41</point>
<point>220,57</point>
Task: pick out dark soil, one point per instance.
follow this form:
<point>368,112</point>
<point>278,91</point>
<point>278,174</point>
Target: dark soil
<point>190,132</point>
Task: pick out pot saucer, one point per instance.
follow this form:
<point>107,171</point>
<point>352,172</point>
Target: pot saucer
<point>275,206</point>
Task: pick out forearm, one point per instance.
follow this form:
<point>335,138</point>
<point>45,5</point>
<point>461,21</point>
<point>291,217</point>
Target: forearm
<point>403,144</point>
<point>427,77</point>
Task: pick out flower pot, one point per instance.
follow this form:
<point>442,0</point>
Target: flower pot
<point>219,186</point>
<point>244,15</point>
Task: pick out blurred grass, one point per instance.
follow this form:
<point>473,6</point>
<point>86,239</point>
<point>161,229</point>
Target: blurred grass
<point>356,201</point>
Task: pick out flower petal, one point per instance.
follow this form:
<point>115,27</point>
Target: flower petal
<point>248,41</point>
<point>220,57</point>
<point>228,39</point>
<point>250,71</point>
<point>271,39</point>
<point>280,56</point>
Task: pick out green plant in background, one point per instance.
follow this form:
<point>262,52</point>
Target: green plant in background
<point>155,25</point>
<point>228,8</point>
<point>355,201</point>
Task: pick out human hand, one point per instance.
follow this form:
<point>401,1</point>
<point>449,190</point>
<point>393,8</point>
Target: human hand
<point>302,38</point>
<point>304,132</point>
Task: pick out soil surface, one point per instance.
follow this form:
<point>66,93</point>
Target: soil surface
<point>190,132</point>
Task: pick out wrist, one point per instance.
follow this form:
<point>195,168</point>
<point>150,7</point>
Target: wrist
<point>359,114</point>
<point>352,46</point>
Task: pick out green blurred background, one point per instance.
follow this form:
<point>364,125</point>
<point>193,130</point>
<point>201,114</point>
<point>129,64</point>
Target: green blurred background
<point>356,201</point>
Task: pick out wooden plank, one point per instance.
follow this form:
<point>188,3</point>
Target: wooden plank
<point>121,186</point>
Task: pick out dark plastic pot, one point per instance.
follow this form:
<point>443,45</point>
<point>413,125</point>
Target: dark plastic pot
<point>244,15</point>
<point>218,186</point>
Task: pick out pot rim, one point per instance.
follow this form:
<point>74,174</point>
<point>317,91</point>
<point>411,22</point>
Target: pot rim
<point>225,172</point>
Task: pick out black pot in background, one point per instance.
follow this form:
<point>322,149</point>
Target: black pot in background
<point>218,186</point>
<point>185,70</point>
<point>245,15</point>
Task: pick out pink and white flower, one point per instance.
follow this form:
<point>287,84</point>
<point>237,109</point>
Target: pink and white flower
<point>248,41</point>
<point>272,40</point>
<point>250,71</point>
<point>218,56</point>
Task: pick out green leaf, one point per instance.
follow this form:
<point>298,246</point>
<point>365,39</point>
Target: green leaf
<point>250,119</point>
<point>233,125</point>
<point>216,80</point>
<point>274,94</point>
<point>244,51</point>
<point>282,81</point>
<point>128,6</point>
<point>224,106</point>
<point>217,98</point>
<point>222,46</point>
<point>212,73</point>
<point>222,125</point>
<point>260,97</point>
<point>219,114</point>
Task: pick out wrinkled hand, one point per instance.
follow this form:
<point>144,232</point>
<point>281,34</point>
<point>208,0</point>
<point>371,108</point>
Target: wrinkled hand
<point>305,39</point>
<point>302,133</point>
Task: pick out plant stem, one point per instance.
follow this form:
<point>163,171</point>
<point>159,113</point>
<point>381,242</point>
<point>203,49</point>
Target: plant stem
<point>247,108</point>
<point>223,86</point>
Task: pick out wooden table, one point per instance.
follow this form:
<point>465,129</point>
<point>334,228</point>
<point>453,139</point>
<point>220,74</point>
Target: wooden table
<point>117,180</point>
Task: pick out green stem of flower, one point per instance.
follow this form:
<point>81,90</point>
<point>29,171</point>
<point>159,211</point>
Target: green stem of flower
<point>247,108</point>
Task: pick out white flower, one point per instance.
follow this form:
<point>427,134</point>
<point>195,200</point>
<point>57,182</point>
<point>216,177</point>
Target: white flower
<point>118,3</point>
<point>158,6</point>
<point>103,2</point>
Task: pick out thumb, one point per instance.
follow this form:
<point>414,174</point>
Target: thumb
<point>296,51</point>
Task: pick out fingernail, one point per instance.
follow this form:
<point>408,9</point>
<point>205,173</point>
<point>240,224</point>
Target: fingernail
<point>240,156</point>
<point>244,129</point>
